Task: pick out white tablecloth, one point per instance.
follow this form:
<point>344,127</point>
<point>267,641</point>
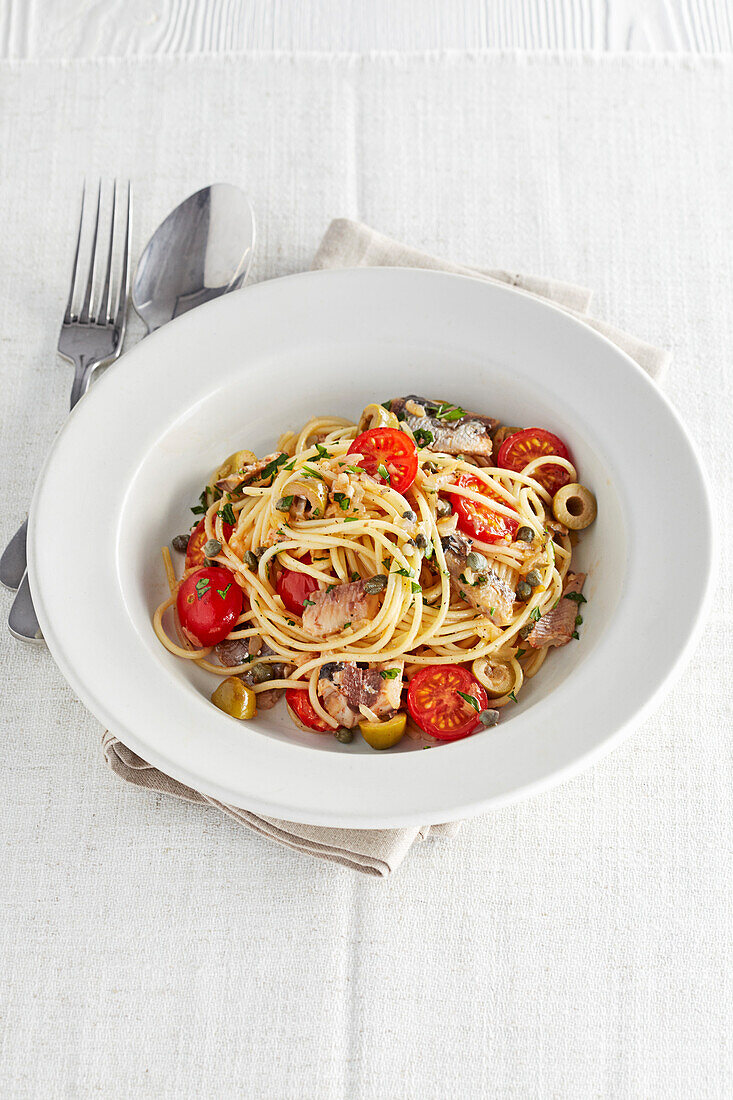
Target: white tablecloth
<point>575,945</point>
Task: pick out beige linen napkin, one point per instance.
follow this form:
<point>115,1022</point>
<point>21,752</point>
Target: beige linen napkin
<point>375,851</point>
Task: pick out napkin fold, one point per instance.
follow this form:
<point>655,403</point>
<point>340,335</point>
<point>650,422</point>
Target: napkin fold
<point>376,851</point>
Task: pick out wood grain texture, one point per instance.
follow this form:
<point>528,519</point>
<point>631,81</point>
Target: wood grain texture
<point>119,28</point>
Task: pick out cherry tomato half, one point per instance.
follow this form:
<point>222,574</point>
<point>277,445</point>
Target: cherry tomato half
<point>209,602</point>
<point>434,701</point>
<point>293,587</point>
<point>196,542</point>
<point>519,449</point>
<point>303,713</point>
<point>480,521</point>
<point>390,449</point>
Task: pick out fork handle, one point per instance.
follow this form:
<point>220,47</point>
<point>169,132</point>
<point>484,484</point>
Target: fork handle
<point>22,621</point>
<point>82,377</point>
<point>12,563</point>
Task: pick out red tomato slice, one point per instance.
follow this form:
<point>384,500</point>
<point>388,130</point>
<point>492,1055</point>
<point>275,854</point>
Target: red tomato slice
<point>293,587</point>
<point>303,713</point>
<point>434,702</point>
<point>391,449</point>
<point>519,449</point>
<point>209,602</point>
<point>480,521</point>
<point>196,542</point>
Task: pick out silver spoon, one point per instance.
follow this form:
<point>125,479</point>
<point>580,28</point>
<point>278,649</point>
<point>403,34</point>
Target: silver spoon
<point>203,249</point>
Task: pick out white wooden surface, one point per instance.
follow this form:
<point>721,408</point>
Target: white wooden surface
<point>119,28</point>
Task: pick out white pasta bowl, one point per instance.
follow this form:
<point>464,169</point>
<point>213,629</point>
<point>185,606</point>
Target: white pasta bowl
<point>235,373</point>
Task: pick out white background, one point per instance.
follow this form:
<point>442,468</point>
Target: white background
<point>577,945</point>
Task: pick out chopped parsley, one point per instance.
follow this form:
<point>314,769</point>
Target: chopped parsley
<point>416,587</point>
<point>423,436</point>
<point>351,519</point>
<point>535,615</point>
<point>322,452</point>
<point>577,596</point>
<point>521,652</point>
<point>227,514</point>
<point>308,471</point>
<point>389,673</point>
<point>462,594</point>
<point>403,572</point>
<point>387,405</point>
<point>512,696</point>
<point>223,591</point>
<point>470,700</point>
<point>290,466</point>
<point>342,500</point>
<point>578,620</point>
<point>356,576</point>
<point>355,469</point>
<point>202,587</point>
<point>309,603</point>
<point>330,588</point>
<point>576,635</point>
<point>383,472</point>
<point>345,626</point>
<point>203,504</point>
<point>272,468</point>
<point>446,411</point>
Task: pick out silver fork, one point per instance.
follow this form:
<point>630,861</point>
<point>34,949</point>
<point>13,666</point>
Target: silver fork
<point>89,338</point>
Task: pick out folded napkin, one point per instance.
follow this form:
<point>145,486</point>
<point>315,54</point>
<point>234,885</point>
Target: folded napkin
<point>375,851</point>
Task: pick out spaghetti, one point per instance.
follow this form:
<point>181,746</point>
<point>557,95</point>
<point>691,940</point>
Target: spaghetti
<point>418,553</point>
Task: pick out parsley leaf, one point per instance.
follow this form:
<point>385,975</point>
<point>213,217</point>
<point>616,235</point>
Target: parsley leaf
<point>345,626</point>
<point>342,500</point>
<point>330,588</point>
<point>578,620</point>
<point>356,576</point>
<point>446,411</point>
<point>403,572</point>
<point>308,471</point>
<point>203,504</point>
<point>223,591</point>
<point>387,405</point>
<point>512,696</point>
<point>355,469</point>
<point>272,468</point>
<point>520,652</point>
<point>290,466</point>
<point>389,673</point>
<point>383,472</point>
<point>416,587</point>
<point>202,587</point>
<point>423,436</point>
<point>470,700</point>
<point>351,519</point>
<point>535,615</point>
<point>576,635</point>
<point>322,452</point>
<point>227,514</point>
<point>309,603</point>
<point>577,596</point>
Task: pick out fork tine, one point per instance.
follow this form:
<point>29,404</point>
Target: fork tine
<point>84,315</point>
<point>104,311</point>
<point>68,316</point>
<point>124,287</point>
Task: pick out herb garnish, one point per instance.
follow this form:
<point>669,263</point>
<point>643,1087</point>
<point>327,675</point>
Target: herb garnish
<point>322,452</point>
<point>423,436</point>
<point>223,591</point>
<point>203,504</point>
<point>535,615</point>
<point>512,696</point>
<point>342,500</point>
<point>202,587</point>
<point>577,596</point>
<point>345,626</point>
<point>308,471</point>
<point>309,603</point>
<point>272,468</point>
<point>389,673</point>
<point>470,700</point>
<point>403,572</point>
<point>521,652</point>
<point>330,588</point>
<point>227,514</point>
<point>446,411</point>
<point>416,587</point>
<point>383,472</point>
<point>355,576</point>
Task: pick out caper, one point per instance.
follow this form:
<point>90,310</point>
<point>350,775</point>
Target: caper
<point>374,584</point>
<point>250,559</point>
<point>261,550</point>
<point>488,718</point>
<point>476,561</point>
<point>526,630</point>
<point>212,548</point>
<point>283,504</point>
<point>180,543</point>
<point>421,542</point>
<point>533,578</point>
<point>442,507</point>
<point>525,534</point>
<point>261,673</point>
<point>524,590</point>
<point>344,736</point>
<point>409,515</point>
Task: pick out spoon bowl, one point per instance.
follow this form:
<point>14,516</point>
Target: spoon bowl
<point>203,249</point>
